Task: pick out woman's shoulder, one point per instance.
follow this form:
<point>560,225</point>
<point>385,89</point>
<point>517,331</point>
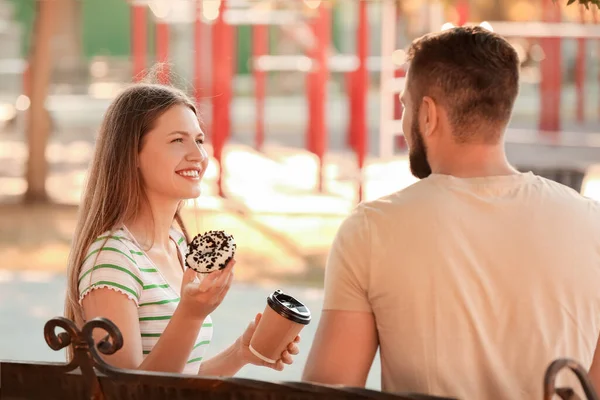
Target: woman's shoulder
<point>113,261</point>
<point>114,245</point>
<point>179,238</point>
<point>117,236</point>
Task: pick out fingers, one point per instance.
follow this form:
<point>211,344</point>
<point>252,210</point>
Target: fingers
<point>217,280</point>
<point>225,288</point>
<point>286,358</point>
<point>293,349</point>
<point>224,276</point>
<point>230,265</point>
<point>188,276</point>
<point>208,281</point>
<point>297,339</point>
<point>278,366</point>
<point>228,270</point>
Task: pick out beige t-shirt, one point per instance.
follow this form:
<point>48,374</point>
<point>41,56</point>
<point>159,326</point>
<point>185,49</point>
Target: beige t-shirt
<point>476,284</point>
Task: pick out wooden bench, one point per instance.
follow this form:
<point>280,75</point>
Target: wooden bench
<point>87,376</point>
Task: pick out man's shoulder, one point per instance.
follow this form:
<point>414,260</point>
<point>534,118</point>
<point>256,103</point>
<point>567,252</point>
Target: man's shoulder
<point>420,192</point>
<point>565,194</point>
<point>404,204</point>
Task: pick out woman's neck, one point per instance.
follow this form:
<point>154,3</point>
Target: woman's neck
<point>152,224</point>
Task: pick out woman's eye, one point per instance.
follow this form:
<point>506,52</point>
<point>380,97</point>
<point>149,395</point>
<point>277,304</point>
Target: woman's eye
<point>200,141</point>
<point>178,140</point>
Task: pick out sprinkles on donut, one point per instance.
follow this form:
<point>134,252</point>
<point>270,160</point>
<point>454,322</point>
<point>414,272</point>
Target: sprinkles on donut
<point>210,252</point>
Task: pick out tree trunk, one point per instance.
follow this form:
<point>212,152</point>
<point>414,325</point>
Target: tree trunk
<point>38,123</point>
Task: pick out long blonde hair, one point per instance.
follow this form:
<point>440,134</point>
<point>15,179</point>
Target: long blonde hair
<point>114,191</point>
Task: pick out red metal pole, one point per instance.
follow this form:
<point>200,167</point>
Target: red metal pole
<point>310,107</point>
<point>198,61</point>
<point>463,10</point>
<point>400,141</point>
<point>362,90</point>
<point>551,73</point>
<point>310,90</point>
<point>580,72</point>
<point>260,47</point>
<point>595,19</point>
<point>139,40</point>
<point>320,88</point>
<point>230,64</point>
<point>162,50</point>
<point>398,73</point>
<point>218,96</point>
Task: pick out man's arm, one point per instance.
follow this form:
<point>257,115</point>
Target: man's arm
<point>343,349</point>
<point>346,339</point>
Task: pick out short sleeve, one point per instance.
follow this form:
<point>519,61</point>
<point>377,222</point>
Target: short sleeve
<point>111,264</point>
<point>347,270</point>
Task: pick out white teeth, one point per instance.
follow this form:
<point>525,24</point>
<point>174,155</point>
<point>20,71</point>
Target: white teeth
<point>190,173</point>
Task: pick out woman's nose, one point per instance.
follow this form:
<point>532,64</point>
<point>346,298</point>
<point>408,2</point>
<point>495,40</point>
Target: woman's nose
<point>197,153</point>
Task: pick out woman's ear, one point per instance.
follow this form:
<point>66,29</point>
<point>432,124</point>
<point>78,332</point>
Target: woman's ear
<point>428,116</point>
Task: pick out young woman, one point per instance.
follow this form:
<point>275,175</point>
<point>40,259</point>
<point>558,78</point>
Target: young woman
<point>127,260</point>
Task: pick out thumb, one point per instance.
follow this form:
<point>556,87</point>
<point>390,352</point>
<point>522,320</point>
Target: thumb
<point>251,328</point>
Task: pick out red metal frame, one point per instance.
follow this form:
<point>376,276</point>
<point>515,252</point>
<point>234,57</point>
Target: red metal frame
<point>361,87</point>
<point>463,8</point>
<point>595,21</point>
<point>318,89</point>
<point>260,47</point>
<point>400,140</point>
<point>139,40</point>
<point>222,71</point>
<point>310,92</point>
<point>198,53</point>
<point>580,71</point>
<point>551,73</point>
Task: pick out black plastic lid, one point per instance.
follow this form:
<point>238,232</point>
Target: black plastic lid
<point>288,307</point>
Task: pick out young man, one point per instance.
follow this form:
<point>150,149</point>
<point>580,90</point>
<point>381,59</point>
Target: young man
<point>471,281</point>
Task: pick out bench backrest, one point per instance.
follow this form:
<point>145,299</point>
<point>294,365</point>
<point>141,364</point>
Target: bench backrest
<point>87,376</point>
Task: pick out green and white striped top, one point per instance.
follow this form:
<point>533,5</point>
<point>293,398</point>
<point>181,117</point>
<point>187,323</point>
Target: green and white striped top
<point>120,265</point>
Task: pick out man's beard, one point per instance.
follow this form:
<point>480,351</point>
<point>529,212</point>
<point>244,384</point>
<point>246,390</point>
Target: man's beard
<point>417,155</point>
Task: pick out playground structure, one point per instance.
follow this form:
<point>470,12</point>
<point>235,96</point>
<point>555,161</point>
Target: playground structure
<point>309,22</point>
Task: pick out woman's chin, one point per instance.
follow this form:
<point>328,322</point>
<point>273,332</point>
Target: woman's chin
<point>192,196</point>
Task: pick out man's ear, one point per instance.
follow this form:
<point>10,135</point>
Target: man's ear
<point>428,116</point>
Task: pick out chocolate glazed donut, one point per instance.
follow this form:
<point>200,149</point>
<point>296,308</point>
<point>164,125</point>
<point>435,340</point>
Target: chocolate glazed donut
<point>210,252</point>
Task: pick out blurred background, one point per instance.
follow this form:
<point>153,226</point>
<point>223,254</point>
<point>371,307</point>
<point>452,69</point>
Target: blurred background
<point>299,100</point>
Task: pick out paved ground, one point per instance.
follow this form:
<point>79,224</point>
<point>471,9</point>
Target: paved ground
<point>28,300</point>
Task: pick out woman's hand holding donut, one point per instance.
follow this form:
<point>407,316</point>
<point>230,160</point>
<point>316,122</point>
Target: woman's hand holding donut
<point>199,299</point>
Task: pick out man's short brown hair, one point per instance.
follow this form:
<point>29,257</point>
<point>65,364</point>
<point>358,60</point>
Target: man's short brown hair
<point>473,73</point>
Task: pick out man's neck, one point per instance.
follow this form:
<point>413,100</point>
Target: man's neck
<point>471,161</point>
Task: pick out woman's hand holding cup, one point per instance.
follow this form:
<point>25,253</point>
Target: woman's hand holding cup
<point>248,357</point>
